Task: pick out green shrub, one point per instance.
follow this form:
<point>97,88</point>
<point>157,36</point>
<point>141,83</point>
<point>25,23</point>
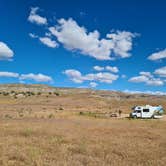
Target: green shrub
<point>56,93</point>
<point>50,116</point>
<point>27,132</point>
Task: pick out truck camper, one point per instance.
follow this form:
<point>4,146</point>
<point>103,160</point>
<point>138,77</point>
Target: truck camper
<point>147,111</point>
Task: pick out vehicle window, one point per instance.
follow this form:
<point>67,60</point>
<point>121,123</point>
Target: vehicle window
<point>137,111</point>
<point>145,110</point>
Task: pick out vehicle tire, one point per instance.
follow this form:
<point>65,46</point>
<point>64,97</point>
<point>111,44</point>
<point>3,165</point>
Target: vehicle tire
<point>152,117</point>
<point>135,117</point>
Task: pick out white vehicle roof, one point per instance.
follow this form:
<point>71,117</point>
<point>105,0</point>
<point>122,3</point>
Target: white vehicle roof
<point>147,106</point>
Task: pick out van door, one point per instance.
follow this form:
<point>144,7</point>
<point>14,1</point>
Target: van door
<point>138,113</point>
<point>146,113</point>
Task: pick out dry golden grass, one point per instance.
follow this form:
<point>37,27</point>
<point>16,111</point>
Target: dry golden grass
<point>82,141</point>
<point>47,130</point>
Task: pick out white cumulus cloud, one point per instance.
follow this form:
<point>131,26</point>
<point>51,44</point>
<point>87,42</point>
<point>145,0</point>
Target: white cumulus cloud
<point>147,74</point>
<point>98,68</point>
<point>158,55</point>
<point>93,84</point>
<point>77,38</point>
<point>5,52</point>
<point>161,71</point>
<point>74,75</point>
<point>48,42</point>
<point>145,92</point>
<point>45,40</point>
<point>32,35</point>
<point>138,79</point>
<point>103,77</point>
<point>35,18</point>
<point>112,69</point>
<point>36,77</point>
<point>147,78</point>
<point>9,74</point>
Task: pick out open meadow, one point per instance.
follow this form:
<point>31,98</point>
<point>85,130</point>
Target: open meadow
<point>45,126</point>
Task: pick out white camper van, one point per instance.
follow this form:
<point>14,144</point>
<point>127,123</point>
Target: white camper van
<point>147,111</point>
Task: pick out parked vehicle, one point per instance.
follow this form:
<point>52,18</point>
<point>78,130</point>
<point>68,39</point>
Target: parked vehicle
<point>147,111</point>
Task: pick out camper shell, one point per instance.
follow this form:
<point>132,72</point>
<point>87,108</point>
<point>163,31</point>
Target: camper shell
<point>147,111</point>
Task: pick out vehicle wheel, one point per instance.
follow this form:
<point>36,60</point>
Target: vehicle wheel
<point>135,117</point>
<point>152,117</point>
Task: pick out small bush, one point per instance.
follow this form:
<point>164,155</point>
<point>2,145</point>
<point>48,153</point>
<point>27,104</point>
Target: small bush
<point>50,116</point>
<point>27,132</point>
<point>90,114</point>
<point>60,108</point>
<point>39,93</point>
<point>5,93</point>
<point>8,116</point>
<point>56,93</point>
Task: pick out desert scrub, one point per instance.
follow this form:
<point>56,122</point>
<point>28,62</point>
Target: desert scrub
<point>58,139</point>
<point>8,116</point>
<point>26,132</point>
<point>21,113</point>
<point>60,108</point>
<point>51,116</point>
<point>39,93</point>
<point>5,93</point>
<point>56,93</point>
<point>90,114</point>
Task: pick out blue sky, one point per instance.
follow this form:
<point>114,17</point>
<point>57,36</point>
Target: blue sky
<point>114,45</point>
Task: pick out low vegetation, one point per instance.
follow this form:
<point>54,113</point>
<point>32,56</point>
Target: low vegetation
<point>75,127</point>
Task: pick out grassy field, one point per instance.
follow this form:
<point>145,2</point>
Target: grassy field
<point>80,140</point>
<point>48,129</point>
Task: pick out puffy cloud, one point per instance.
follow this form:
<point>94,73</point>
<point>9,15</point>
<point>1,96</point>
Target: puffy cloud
<point>138,79</point>
<point>77,38</point>
<point>148,79</point>
<point>161,71</point>
<point>74,75</point>
<point>101,77</point>
<point>147,74</point>
<point>48,42</point>
<point>112,69</point>
<point>158,55</point>
<point>35,18</point>
<point>122,43</point>
<point>145,92</point>
<point>36,77</point>
<point>32,35</point>
<point>5,52</point>
<point>155,82</point>
<point>45,40</point>
<point>77,77</point>
<point>93,84</point>
<point>98,68</point>
<point>9,74</point>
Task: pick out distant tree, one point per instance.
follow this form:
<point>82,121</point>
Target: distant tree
<point>5,93</point>
<point>56,93</point>
<point>39,93</point>
<point>32,93</point>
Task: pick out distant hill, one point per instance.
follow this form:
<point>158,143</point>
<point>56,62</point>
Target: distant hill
<point>67,90</point>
